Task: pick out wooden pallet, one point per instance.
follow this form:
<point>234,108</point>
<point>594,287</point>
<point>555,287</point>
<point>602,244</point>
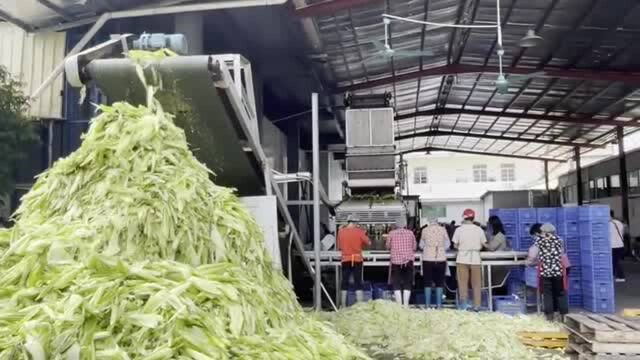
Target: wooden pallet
<point>632,313</point>
<point>605,329</point>
<point>585,350</point>
<point>586,354</point>
<point>544,340</point>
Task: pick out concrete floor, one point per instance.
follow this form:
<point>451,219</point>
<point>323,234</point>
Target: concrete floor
<point>628,293</point>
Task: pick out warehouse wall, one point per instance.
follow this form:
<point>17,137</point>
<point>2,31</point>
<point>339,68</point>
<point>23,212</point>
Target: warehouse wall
<point>31,58</point>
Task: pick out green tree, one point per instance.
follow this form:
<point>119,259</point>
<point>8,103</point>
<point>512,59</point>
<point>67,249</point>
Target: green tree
<point>17,132</point>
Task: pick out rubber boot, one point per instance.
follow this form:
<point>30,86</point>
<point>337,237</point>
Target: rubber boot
<point>343,298</point>
<point>359,296</point>
<point>439,292</point>
<point>397,294</point>
<point>406,296</point>
<point>427,297</point>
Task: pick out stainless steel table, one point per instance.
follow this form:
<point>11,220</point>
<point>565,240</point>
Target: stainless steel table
<point>382,258</point>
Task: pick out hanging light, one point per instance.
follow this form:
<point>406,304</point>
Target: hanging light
<point>531,39</point>
<point>502,85</point>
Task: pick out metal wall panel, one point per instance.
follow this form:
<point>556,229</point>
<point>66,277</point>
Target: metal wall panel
<point>31,58</point>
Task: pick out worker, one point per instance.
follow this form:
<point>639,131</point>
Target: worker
<point>498,240</point>
<point>402,244</point>
<point>547,251</point>
<point>434,242</point>
<point>616,236</point>
<point>351,240</point>
<point>469,240</point>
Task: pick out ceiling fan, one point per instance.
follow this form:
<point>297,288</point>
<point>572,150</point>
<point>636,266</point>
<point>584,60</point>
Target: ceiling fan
<point>504,80</point>
<point>383,50</point>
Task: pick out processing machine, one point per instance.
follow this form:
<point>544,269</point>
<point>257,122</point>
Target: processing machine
<point>374,176</point>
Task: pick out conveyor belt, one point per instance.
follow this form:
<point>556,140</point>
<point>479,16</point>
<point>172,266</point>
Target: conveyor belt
<point>209,121</point>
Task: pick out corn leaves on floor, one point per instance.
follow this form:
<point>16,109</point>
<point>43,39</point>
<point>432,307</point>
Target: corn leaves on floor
<point>390,331</point>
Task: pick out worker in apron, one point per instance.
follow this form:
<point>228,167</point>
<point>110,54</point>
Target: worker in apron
<point>351,240</point>
<point>402,244</point>
<point>469,239</point>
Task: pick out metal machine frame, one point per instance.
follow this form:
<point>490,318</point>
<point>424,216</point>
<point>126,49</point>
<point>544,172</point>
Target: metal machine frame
<point>234,78</point>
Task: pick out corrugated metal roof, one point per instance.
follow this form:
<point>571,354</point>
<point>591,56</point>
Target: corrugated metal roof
<point>594,35</point>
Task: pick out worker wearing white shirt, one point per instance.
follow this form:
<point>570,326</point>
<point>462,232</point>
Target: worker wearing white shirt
<point>469,240</point>
<point>616,235</point>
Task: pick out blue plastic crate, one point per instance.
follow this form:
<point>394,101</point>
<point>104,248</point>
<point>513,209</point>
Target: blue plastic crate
<point>547,215</point>
<point>531,277</point>
<point>594,212</point>
<point>525,228</point>
<point>527,215</point>
<point>523,244</point>
<point>506,215</point>
<point>510,305</point>
<point>510,229</point>
<point>594,275</point>
<point>599,305</point>
<point>600,289</point>
<point>591,244</point>
<point>575,273</point>
<point>575,286</point>
<point>593,228</point>
<point>379,290</point>
<point>576,302</point>
<point>351,296</point>
<point>568,228</point>
<point>597,260</point>
<point>567,214</point>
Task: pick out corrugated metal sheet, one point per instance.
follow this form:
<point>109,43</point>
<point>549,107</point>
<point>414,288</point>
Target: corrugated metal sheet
<point>31,58</point>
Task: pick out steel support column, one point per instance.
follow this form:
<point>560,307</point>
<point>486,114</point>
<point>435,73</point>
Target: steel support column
<point>624,180</point>
<point>315,140</point>
<point>576,151</point>
<point>546,182</point>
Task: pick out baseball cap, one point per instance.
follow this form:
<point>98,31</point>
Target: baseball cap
<point>468,214</point>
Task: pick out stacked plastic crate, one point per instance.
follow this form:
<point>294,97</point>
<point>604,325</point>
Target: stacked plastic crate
<point>509,219</point>
<point>526,219</point>
<point>568,232</point>
<point>595,256</point>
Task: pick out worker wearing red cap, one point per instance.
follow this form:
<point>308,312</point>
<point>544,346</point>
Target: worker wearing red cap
<point>469,239</point>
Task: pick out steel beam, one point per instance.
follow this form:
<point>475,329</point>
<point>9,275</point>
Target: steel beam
<point>15,21</point>
<point>555,118</point>
<point>580,189</point>
<point>546,182</point>
<point>631,76</point>
<point>331,7</point>
<point>489,136</point>
<point>624,180</point>
<point>56,9</point>
<point>463,151</point>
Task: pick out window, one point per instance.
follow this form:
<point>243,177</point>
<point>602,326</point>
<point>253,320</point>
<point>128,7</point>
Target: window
<point>507,172</point>
<point>420,175</point>
<point>602,186</point>
<point>634,181</point>
<point>434,211</point>
<point>480,173</point>
<point>614,185</point>
<point>592,189</point>
<point>461,176</point>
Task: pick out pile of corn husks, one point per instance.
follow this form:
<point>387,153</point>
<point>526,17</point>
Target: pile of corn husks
<point>126,250</point>
<point>390,331</point>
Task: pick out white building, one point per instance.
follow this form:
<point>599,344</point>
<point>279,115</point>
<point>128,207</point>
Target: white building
<point>448,183</point>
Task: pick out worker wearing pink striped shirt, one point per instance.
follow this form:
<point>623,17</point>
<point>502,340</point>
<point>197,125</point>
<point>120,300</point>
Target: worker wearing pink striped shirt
<point>402,243</point>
